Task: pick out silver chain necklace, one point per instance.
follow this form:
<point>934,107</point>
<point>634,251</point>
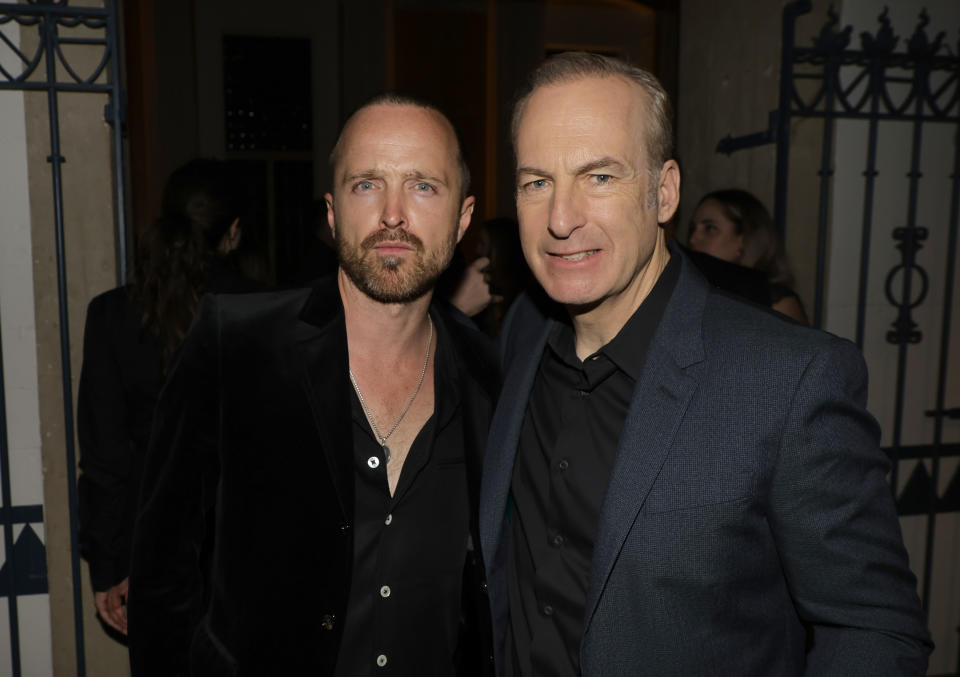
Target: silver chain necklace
<point>366,411</point>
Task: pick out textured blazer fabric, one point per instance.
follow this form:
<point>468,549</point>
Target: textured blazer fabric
<point>748,527</point>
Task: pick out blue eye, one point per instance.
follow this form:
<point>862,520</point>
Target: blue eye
<point>601,178</point>
<point>423,187</point>
<point>364,185</point>
<point>536,184</point>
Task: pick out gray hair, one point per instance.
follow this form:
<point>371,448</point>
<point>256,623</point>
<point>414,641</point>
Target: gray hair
<point>570,66</point>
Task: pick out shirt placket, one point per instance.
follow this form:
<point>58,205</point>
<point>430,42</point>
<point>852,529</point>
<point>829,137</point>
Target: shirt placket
<point>558,460</point>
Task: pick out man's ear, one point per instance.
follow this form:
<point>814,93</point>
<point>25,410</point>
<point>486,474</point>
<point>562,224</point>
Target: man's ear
<point>466,213</point>
<point>668,191</point>
<point>331,217</point>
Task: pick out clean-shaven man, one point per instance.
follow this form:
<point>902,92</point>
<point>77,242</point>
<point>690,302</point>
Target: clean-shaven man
<point>676,482</point>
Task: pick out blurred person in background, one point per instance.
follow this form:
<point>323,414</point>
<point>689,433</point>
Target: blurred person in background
<point>732,225</point>
<point>130,334</point>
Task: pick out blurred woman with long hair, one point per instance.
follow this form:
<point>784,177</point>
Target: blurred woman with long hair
<point>734,226</point>
<point>129,337</point>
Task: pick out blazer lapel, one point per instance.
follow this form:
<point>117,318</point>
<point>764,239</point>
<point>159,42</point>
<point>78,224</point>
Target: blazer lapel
<point>527,344</point>
<point>659,402</point>
<point>321,350</point>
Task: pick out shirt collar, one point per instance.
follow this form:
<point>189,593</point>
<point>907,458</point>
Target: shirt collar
<point>628,349</point>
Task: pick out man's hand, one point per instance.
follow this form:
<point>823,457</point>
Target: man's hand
<point>473,293</point>
<point>112,605</point>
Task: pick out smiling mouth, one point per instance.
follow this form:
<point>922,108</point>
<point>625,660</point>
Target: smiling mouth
<point>578,256</point>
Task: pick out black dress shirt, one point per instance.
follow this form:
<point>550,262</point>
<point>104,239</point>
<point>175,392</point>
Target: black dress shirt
<point>568,444</point>
<point>403,613</point>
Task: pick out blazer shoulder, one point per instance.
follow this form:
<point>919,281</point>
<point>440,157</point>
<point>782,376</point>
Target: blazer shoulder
<point>734,326</point>
<point>113,302</point>
<point>523,324</point>
<point>241,312</point>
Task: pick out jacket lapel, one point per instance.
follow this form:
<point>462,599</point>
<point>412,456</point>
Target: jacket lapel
<point>526,346</point>
<point>659,403</point>
<point>321,351</point>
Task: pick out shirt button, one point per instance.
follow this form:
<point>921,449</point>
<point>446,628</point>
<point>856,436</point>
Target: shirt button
<point>389,519</point>
<point>547,610</point>
<point>373,462</point>
<point>381,660</point>
<point>563,464</point>
<point>385,591</point>
<point>558,540</point>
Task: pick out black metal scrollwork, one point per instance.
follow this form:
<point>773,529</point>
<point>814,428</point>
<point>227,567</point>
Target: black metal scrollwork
<point>58,25</point>
<point>904,328</point>
<point>820,62</point>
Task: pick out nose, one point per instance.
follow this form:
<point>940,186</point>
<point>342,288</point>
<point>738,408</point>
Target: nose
<point>392,215</point>
<point>693,239</point>
<point>565,213</point>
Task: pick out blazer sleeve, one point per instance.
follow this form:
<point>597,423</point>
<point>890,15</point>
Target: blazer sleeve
<point>166,576</point>
<point>105,451</point>
<point>837,531</point>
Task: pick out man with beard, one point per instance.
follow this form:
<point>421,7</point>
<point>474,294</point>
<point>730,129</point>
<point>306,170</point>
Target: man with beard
<point>331,439</point>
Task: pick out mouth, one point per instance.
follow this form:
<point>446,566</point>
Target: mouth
<point>394,246</point>
<point>393,243</point>
<point>576,256</point>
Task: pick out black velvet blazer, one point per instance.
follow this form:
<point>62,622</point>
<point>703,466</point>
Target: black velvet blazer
<point>254,426</point>
<point>120,380</point>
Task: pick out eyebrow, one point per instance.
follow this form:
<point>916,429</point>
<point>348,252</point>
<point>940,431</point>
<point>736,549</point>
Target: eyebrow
<point>532,170</point>
<point>374,174</point>
<point>420,176</point>
<point>368,174</point>
<point>600,163</point>
<point>587,167</point>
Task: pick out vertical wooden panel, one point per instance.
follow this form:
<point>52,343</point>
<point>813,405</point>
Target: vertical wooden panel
<point>143,129</point>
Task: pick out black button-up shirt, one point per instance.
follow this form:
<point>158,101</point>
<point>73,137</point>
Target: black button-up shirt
<point>403,611</point>
<point>567,448</point>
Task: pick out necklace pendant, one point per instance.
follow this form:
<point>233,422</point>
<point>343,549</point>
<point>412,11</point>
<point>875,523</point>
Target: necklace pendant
<point>386,452</point>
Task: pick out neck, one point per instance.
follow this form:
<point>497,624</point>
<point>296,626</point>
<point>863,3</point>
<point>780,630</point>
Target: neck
<point>598,325</point>
<point>384,330</point>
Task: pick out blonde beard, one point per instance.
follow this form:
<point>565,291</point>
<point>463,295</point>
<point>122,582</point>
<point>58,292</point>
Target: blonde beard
<point>393,279</point>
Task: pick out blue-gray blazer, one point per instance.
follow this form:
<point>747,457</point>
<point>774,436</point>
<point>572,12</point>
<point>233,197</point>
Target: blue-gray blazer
<point>748,527</point>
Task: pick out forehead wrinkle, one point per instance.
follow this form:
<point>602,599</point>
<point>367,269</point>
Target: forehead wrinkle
<point>605,162</point>
<point>408,163</point>
<point>417,174</point>
<point>620,103</point>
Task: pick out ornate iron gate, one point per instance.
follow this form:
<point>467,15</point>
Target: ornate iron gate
<point>926,76</point>
<point>48,70</point>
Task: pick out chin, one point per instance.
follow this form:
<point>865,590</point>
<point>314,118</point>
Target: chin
<point>571,294</point>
